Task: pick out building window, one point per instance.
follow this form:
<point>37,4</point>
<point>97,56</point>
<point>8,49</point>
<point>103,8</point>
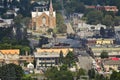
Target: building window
<point>44,20</point>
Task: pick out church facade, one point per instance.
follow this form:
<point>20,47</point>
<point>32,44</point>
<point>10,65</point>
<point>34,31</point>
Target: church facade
<point>42,21</point>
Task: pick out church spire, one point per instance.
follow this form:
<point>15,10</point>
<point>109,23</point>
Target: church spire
<point>51,7</point>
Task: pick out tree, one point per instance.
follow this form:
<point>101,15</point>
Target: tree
<point>63,67</point>
<point>100,77</point>
<point>81,72</point>
<point>50,73</point>
<point>108,21</point>
<point>50,30</point>
<point>61,57</point>
<point>94,17</point>
<point>117,20</point>
<point>111,32</point>
<point>11,72</point>
<point>69,59</point>
<point>26,49</point>
<point>102,31</point>
<point>104,54</point>
<point>25,8</point>
<point>26,21</point>
<point>61,27</point>
<point>55,74</point>
<point>80,8</point>
<point>115,75</point>
<point>28,77</point>
<point>17,21</point>
<point>91,73</point>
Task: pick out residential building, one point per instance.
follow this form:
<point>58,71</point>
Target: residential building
<point>111,8</point>
<point>26,58</point>
<point>3,23</point>
<point>105,8</point>
<point>43,20</point>
<point>49,57</point>
<point>9,56</point>
<point>112,65</point>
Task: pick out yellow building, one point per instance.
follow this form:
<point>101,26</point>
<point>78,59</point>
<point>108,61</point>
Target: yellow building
<point>9,56</point>
<point>104,41</point>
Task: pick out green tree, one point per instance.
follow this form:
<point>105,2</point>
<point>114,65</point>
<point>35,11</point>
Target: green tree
<point>80,8</point>
<point>61,57</point>
<point>26,49</point>
<point>50,73</point>
<point>80,72</point>
<point>69,59</point>
<point>55,74</point>
<point>115,76</point>
<point>108,21</point>
<point>102,31</point>
<point>91,73</point>
<point>27,77</point>
<point>94,17</point>
<point>117,20</point>
<point>18,19</point>
<point>104,54</point>
<point>61,27</point>
<point>50,30</point>
<point>100,77</point>
<point>11,72</point>
<point>63,67</point>
<point>26,21</point>
<point>25,8</point>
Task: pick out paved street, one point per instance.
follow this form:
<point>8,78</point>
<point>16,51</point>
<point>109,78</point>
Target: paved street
<point>69,28</point>
<point>84,60</point>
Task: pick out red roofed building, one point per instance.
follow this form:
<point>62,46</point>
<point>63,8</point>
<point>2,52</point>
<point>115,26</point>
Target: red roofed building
<point>114,58</point>
<point>106,8</point>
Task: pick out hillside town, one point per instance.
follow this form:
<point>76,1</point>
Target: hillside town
<point>59,40</point>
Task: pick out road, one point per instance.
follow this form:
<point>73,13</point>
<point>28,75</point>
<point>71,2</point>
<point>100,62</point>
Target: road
<point>69,28</point>
<point>84,59</point>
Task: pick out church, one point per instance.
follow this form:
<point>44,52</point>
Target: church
<point>43,20</point>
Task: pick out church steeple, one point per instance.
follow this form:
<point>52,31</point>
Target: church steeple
<point>51,8</point>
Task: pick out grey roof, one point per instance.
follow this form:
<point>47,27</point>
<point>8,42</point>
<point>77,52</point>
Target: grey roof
<point>73,43</point>
<point>46,54</point>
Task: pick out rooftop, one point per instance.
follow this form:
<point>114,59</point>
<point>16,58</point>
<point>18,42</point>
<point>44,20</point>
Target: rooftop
<point>10,51</point>
<point>53,51</point>
<point>112,62</point>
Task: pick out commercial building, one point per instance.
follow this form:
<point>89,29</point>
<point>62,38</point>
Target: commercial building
<point>112,51</point>
<point>104,41</point>
<point>113,64</point>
